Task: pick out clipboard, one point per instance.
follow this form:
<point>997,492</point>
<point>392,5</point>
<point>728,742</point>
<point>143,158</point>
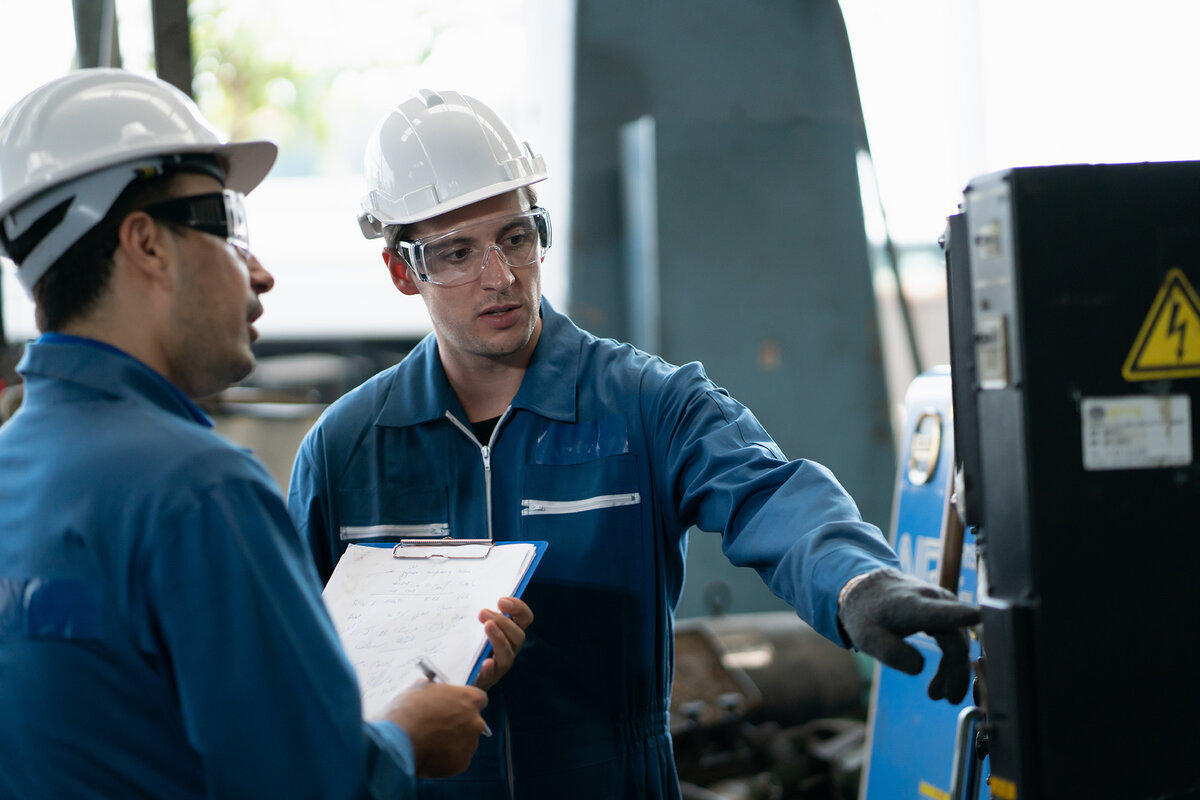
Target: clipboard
<point>394,603</point>
<point>463,548</point>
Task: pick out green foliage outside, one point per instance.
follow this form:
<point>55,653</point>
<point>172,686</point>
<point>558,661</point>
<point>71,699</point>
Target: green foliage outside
<point>289,73</point>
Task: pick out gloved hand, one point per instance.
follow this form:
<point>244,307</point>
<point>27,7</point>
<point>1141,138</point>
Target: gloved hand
<point>888,605</point>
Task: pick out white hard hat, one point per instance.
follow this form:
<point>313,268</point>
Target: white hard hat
<point>437,152</point>
<point>70,147</point>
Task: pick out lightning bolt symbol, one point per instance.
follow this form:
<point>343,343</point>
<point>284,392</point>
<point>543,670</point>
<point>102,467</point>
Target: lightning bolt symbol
<point>1175,326</point>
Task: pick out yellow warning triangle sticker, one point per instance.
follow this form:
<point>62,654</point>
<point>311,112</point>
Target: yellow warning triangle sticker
<point>1168,345</point>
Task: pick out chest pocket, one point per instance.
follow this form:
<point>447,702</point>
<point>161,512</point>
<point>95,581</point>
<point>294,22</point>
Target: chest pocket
<point>583,481</point>
<point>393,512</point>
<point>581,467</point>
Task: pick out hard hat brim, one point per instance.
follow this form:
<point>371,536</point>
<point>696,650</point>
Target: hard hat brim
<point>246,164</point>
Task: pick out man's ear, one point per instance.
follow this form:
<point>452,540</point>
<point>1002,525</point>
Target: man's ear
<point>141,242</point>
<point>401,275</point>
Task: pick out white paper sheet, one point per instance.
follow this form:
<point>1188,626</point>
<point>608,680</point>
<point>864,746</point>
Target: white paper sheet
<point>390,611</point>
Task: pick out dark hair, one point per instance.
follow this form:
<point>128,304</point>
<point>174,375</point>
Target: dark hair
<point>74,284</point>
<point>394,234</point>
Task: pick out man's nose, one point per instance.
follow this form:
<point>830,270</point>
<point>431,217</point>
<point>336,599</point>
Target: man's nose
<point>496,273</point>
<point>260,279</point>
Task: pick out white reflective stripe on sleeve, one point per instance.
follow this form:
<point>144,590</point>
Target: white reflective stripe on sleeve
<point>431,529</point>
<point>574,506</point>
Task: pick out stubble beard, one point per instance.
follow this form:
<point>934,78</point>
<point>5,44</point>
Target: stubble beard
<point>491,348</point>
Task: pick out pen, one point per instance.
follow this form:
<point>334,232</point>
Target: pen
<point>435,675</point>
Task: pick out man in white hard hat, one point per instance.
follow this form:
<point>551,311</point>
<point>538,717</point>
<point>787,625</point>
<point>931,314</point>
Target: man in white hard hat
<point>162,632</point>
<point>509,422</point>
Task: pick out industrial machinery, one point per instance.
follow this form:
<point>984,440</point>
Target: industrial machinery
<point>1075,347</point>
<point>765,708</point>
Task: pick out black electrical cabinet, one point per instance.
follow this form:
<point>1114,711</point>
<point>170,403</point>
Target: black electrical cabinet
<point>1075,348</point>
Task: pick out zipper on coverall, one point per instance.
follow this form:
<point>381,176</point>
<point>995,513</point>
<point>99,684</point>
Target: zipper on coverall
<point>485,451</point>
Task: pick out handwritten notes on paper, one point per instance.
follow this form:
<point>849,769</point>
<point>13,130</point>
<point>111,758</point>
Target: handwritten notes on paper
<point>391,611</point>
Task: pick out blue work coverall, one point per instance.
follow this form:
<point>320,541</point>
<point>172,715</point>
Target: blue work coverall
<point>162,632</point>
<point>609,455</point>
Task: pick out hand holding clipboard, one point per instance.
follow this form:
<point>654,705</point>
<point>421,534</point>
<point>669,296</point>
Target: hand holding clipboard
<point>505,631</point>
<point>393,605</point>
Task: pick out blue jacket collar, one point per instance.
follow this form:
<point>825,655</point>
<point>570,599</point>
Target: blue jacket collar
<point>419,391</point>
<point>102,368</point>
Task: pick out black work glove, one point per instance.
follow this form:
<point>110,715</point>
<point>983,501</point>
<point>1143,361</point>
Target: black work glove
<point>888,605</point>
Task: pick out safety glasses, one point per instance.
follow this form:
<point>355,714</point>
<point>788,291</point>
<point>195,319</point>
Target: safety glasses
<point>219,213</point>
<point>459,256</point>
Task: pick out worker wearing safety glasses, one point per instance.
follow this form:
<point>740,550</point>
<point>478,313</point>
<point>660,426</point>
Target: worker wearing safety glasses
<point>509,422</point>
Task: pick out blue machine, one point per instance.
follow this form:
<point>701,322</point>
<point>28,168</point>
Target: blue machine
<point>911,746</point>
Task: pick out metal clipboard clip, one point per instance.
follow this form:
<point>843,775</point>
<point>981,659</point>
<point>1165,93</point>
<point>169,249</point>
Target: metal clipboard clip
<point>411,548</point>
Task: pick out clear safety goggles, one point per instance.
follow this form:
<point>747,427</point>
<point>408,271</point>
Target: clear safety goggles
<point>459,256</point>
<point>219,213</point>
